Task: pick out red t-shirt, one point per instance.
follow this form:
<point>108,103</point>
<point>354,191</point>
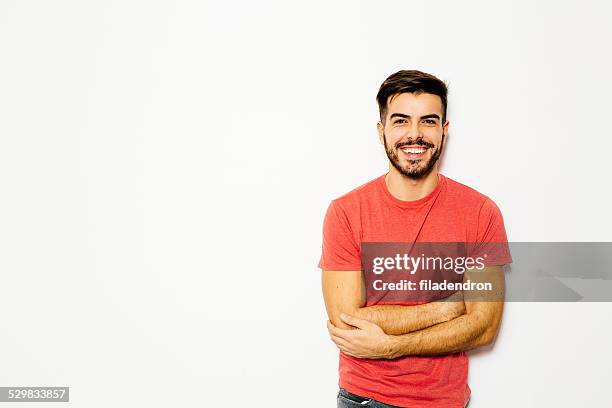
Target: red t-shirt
<point>452,212</point>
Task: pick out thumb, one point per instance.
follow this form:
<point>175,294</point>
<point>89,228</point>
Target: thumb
<point>354,321</point>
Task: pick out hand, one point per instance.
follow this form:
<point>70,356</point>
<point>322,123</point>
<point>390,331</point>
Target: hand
<point>367,340</point>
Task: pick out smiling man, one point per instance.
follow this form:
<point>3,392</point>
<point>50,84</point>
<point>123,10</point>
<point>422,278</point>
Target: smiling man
<point>395,351</point>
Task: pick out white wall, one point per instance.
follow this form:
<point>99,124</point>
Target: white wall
<point>165,168</point>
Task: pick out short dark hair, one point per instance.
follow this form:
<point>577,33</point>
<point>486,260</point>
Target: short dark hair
<point>410,81</point>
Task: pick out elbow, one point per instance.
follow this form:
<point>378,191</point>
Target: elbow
<point>334,316</point>
<point>489,321</point>
<point>488,335</point>
<point>486,339</point>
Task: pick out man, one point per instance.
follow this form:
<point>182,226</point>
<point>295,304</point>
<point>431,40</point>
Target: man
<point>408,353</point>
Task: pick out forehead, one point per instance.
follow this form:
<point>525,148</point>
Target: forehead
<point>414,104</point>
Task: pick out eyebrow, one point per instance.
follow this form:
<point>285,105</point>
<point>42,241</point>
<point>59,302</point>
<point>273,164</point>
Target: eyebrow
<point>401,115</point>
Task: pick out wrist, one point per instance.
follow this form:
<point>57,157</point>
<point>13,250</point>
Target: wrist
<point>392,350</point>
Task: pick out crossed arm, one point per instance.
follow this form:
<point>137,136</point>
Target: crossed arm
<point>393,331</point>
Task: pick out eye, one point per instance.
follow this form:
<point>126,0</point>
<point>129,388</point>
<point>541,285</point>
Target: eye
<point>430,121</point>
<point>400,121</point>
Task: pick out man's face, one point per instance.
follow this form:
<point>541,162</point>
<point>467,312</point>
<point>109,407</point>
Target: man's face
<point>413,134</point>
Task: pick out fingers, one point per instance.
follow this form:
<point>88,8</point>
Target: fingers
<point>343,345</point>
<point>342,333</point>
<point>353,321</point>
<point>348,353</point>
<point>340,342</point>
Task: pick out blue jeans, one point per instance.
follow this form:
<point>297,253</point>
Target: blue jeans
<point>349,400</point>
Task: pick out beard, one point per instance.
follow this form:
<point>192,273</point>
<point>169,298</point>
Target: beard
<point>415,169</point>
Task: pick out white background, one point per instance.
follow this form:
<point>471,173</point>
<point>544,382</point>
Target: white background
<point>165,168</point>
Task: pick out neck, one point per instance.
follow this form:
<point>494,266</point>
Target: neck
<point>407,189</point>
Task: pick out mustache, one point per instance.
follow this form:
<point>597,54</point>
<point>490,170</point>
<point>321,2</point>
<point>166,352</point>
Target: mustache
<point>418,142</point>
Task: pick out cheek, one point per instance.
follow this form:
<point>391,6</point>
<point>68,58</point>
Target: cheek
<point>434,138</point>
<point>392,141</point>
<point>435,134</point>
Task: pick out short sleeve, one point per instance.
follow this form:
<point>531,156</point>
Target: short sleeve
<point>492,241</point>
<point>340,251</point>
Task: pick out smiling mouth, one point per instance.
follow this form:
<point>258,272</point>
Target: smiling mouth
<point>414,152</point>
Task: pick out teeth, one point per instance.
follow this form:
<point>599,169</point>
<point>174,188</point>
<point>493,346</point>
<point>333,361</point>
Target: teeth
<point>416,151</point>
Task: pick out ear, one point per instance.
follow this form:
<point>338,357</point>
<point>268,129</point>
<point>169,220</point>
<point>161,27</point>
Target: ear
<point>445,135</point>
<point>445,128</point>
<point>380,128</point>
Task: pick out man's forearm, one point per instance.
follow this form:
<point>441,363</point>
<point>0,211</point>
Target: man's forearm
<point>477,327</point>
<point>394,319</point>
<point>462,333</point>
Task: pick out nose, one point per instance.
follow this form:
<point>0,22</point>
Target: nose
<point>412,133</point>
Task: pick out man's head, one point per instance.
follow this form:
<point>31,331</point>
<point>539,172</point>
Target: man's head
<point>413,124</point>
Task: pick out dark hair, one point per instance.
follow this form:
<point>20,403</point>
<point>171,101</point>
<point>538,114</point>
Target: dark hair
<point>410,81</point>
